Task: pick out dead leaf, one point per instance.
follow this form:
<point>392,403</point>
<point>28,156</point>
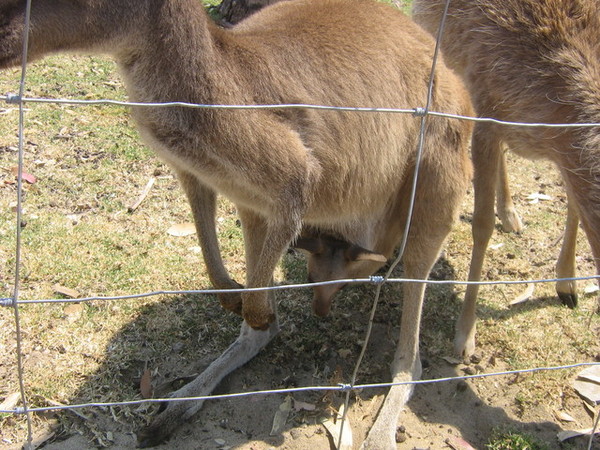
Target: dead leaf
<point>73,310</point>
<point>591,374</point>
<point>536,197</point>
<point>142,196</point>
<point>589,391</point>
<point>452,360</point>
<point>591,288</point>
<point>27,177</point>
<point>42,437</point>
<point>344,352</point>
<point>182,229</point>
<point>335,429</point>
<point>281,416</point>
<point>458,443</point>
<point>74,218</point>
<point>569,434</point>
<point>589,408</point>
<point>587,384</point>
<point>300,406</point>
<point>62,405</point>
<point>11,401</point>
<point>146,384</point>
<point>67,292</point>
<point>44,162</point>
<point>524,296</point>
<point>564,417</point>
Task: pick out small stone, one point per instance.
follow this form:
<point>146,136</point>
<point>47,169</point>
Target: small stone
<point>475,359</point>
<point>462,386</point>
<point>470,370</point>
<point>401,435</point>
<point>177,347</point>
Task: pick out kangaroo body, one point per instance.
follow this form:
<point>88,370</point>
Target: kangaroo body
<point>535,61</point>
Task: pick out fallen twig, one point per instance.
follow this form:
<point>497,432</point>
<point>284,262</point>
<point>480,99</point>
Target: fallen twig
<point>142,196</point>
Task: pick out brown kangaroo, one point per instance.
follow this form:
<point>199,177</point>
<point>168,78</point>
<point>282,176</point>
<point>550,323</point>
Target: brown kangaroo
<point>527,61</point>
<point>346,174</point>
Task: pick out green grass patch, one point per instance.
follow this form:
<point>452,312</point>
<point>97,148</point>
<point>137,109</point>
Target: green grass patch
<point>514,440</point>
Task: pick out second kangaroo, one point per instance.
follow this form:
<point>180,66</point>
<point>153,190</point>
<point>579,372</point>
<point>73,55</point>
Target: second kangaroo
<point>535,61</point>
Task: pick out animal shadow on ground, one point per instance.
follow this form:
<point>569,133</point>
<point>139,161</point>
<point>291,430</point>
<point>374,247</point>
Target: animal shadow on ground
<point>175,339</point>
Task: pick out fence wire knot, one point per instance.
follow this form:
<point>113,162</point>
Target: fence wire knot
<point>419,112</point>
<point>345,387</point>
<point>20,410</point>
<point>377,279</point>
<point>13,98</point>
<point>8,302</point>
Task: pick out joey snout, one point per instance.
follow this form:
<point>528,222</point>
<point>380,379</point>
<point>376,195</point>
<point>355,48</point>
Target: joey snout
<point>323,297</point>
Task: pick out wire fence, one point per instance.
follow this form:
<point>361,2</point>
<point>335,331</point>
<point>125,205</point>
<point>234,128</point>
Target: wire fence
<point>16,303</point>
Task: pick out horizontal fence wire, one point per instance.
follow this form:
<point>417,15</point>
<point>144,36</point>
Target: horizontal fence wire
<point>339,387</point>
<point>418,111</point>
<point>15,302</point>
<point>370,280</point>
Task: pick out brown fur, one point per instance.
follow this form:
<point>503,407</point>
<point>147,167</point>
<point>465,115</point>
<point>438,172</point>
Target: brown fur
<point>527,61</point>
<point>343,173</point>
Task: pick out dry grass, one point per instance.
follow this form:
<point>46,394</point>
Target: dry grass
<point>78,233</point>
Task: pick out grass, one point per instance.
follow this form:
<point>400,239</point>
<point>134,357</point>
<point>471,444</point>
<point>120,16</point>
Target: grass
<point>513,440</point>
<point>78,233</point>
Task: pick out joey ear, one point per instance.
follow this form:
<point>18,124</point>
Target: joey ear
<point>311,245</point>
<point>358,253</point>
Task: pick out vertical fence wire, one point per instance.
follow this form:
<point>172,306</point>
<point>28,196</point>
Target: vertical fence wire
<point>17,282</point>
<point>419,154</point>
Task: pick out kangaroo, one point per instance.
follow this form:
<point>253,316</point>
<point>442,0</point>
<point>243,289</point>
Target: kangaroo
<point>346,174</point>
<point>527,61</point>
